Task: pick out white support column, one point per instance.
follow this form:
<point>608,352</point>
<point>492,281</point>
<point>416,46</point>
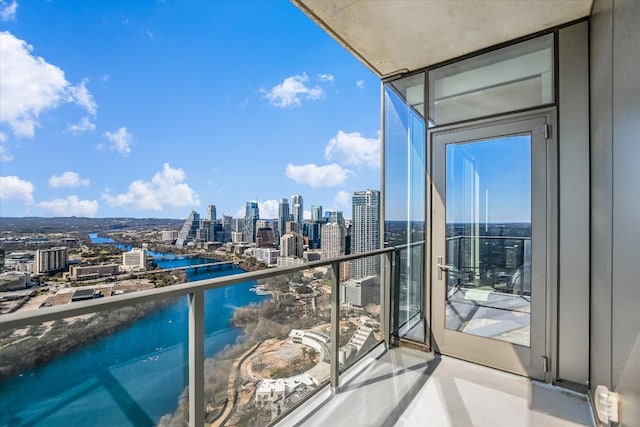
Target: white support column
<point>196,359</point>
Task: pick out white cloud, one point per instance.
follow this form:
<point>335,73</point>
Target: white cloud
<point>306,214</point>
<point>360,84</point>
<point>354,149</point>
<point>5,156</point>
<point>120,140</point>
<point>68,179</point>
<point>342,199</point>
<point>166,189</point>
<point>318,176</point>
<point>14,188</point>
<point>71,206</point>
<point>83,126</point>
<point>268,209</point>
<point>8,10</point>
<point>30,85</point>
<point>81,95</point>
<point>326,77</point>
<point>292,91</point>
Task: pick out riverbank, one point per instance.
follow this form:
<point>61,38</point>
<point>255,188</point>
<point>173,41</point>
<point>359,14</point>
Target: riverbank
<point>22,351</point>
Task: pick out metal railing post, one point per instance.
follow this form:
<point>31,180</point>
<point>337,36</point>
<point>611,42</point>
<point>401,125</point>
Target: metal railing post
<point>395,289</point>
<point>335,326</point>
<point>386,301</point>
<point>196,359</point>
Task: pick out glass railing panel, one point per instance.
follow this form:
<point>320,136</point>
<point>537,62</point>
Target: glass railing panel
<point>361,301</point>
<point>124,366</point>
<point>407,313</point>
<point>272,353</point>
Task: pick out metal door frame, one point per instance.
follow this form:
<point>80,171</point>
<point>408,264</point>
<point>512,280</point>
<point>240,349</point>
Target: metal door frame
<point>536,362</point>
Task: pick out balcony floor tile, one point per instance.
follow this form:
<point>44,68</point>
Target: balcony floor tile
<point>404,387</point>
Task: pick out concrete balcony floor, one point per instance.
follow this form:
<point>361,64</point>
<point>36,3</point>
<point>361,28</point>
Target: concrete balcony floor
<point>404,387</point>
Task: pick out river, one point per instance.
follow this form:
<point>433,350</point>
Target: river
<point>130,378</point>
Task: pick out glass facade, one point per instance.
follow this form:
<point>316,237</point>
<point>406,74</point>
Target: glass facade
<point>508,79</point>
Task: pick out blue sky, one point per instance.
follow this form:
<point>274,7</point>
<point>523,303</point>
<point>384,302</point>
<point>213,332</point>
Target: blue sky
<point>489,180</point>
<point>155,108</point>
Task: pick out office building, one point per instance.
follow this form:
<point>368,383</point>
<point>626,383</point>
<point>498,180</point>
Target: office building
<point>291,245</point>
<point>316,213</point>
<point>283,217</point>
<point>252,213</point>
<point>264,237</point>
<point>297,210</point>
<point>134,260</point>
<point>169,236</point>
<point>51,260</point>
<point>332,243</point>
<point>365,235</point>
<point>188,231</point>
<point>211,213</point>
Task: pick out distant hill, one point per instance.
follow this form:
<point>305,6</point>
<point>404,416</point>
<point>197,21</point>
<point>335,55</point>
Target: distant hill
<point>79,224</point>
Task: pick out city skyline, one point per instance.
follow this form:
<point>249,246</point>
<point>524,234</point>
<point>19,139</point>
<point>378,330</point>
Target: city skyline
<point>157,109</point>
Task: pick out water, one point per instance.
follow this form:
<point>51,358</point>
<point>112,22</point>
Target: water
<point>132,377</point>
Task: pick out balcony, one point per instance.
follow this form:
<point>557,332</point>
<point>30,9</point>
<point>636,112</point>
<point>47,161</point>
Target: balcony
<point>322,360</point>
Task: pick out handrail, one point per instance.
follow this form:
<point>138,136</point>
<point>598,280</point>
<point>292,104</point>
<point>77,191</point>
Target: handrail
<point>30,317</point>
<point>196,311</point>
<point>490,237</point>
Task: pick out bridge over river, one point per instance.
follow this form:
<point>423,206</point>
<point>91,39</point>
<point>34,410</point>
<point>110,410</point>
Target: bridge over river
<point>207,266</point>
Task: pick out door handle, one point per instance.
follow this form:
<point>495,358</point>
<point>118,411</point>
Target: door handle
<point>442,267</point>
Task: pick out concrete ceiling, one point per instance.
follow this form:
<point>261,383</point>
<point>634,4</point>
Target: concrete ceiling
<point>395,36</point>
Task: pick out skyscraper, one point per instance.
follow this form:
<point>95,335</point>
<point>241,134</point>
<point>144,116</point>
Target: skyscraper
<point>366,232</point>
<point>251,216</point>
<point>283,217</point>
<point>226,228</point>
<point>211,213</point>
<point>189,229</point>
<point>316,213</point>
<point>335,216</point>
<point>297,209</point>
<point>291,245</point>
<point>332,242</point>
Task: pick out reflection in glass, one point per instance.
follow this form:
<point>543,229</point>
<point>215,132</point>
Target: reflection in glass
<point>488,232</point>
<point>404,200</point>
<point>508,79</point>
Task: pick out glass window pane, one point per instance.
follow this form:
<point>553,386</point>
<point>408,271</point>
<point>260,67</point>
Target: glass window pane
<point>404,199</point>
<point>508,79</point>
<point>488,226</point>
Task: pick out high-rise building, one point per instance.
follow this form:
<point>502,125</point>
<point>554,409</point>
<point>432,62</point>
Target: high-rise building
<point>336,216</point>
<point>365,234</point>
<point>252,213</point>
<point>332,241</point>
<point>211,213</point>
<point>204,232</point>
<point>316,213</point>
<point>51,260</point>
<point>189,229</point>
<point>283,217</point>
<point>227,224</point>
<point>292,245</point>
<point>313,233</point>
<point>297,209</point>
<point>264,237</point>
